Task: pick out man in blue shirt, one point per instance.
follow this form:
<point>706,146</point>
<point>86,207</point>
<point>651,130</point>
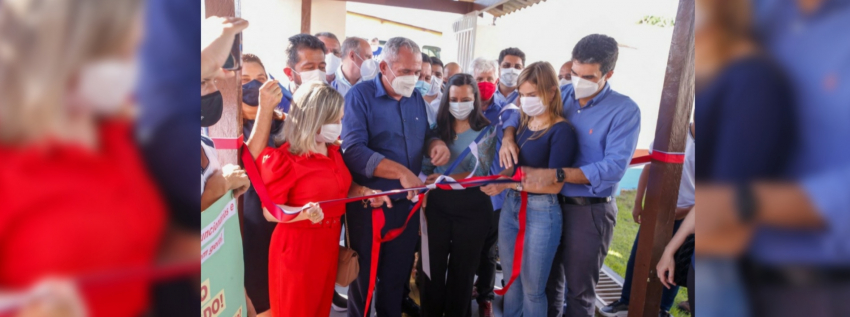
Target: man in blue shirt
<point>607,124</point>
<point>511,63</point>
<point>385,136</point>
<point>357,65</point>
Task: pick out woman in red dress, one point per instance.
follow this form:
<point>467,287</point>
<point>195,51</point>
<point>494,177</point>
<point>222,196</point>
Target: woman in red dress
<point>76,199</point>
<point>306,167</point>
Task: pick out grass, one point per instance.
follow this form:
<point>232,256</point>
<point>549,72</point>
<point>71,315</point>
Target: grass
<point>624,237</point>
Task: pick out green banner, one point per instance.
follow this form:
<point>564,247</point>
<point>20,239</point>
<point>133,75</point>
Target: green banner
<point>222,267</point>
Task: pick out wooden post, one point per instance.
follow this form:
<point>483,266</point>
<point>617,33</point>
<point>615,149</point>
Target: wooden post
<point>662,191</point>
<point>306,8</point>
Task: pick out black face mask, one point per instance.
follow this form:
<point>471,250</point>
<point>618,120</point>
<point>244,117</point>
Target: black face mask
<point>251,93</point>
<point>211,107</point>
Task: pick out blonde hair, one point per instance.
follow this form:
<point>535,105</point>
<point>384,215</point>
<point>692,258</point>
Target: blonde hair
<point>543,75</point>
<point>43,43</point>
<point>313,105</point>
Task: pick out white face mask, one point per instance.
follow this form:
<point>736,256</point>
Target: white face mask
<point>368,68</point>
<point>509,76</point>
<point>563,82</point>
<point>585,88</point>
<point>461,110</point>
<point>106,85</point>
<point>329,133</point>
<point>532,106</point>
<point>403,85</point>
<point>312,75</point>
<point>435,86</point>
<point>332,63</point>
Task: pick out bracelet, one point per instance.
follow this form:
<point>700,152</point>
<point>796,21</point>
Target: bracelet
<point>745,202</point>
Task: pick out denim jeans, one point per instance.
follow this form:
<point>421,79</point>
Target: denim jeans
<point>527,295</point>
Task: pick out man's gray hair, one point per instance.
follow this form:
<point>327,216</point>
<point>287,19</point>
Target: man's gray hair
<point>353,44</point>
<point>481,64</point>
<point>393,45</point>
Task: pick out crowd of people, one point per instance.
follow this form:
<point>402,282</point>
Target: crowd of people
<point>354,120</point>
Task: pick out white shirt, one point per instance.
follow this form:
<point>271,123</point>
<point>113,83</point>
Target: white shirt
<point>209,149</point>
<point>687,188</point>
<point>432,109</point>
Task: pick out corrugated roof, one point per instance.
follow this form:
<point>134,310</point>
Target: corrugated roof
<point>510,6</point>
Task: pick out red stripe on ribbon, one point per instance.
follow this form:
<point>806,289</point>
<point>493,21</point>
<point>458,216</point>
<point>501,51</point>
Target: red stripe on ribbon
<point>674,158</point>
<point>227,143</point>
<point>640,160</point>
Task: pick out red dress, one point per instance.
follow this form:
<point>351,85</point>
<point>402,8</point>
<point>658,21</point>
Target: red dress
<point>70,211</point>
<point>303,256</point>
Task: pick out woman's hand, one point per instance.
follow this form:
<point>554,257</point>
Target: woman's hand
<point>494,189</point>
<point>270,96</point>
<point>313,212</point>
<point>432,178</point>
<point>666,269</point>
<point>53,297</point>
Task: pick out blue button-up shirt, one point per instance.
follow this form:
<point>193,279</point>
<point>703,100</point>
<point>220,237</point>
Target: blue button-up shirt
<point>814,49</point>
<point>607,129</point>
<point>502,99</point>
<point>497,117</point>
<point>376,126</point>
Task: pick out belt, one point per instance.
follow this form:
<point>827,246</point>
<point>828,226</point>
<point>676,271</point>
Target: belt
<point>791,275</point>
<point>583,201</point>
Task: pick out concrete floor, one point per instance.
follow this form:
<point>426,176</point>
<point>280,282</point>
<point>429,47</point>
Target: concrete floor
<point>497,303</point>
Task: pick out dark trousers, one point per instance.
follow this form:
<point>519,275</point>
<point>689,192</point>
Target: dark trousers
<point>458,224</point>
<point>586,235</point>
<point>487,264</point>
<point>256,238</point>
<point>394,263</point>
<point>668,295</point>
<point>691,290</point>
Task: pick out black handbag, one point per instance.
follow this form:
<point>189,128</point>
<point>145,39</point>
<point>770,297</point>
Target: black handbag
<point>683,261</point>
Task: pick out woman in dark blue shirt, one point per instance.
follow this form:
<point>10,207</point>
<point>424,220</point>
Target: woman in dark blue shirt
<point>546,140</point>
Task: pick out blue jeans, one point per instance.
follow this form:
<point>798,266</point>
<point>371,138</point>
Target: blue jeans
<point>527,295</point>
<point>668,295</point>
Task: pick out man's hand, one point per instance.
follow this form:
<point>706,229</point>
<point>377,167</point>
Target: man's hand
<point>538,177</point>
<point>636,211</point>
<point>236,178</point>
<point>432,178</point>
<point>270,96</point>
<point>509,153</point>
<point>216,41</point>
<point>439,152</point>
<point>408,180</point>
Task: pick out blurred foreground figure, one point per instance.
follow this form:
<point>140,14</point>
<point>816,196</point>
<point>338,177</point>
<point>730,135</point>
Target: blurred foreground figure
<point>78,202</point>
<point>793,233</point>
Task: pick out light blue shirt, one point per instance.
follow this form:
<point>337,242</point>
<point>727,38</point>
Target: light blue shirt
<point>814,50</point>
<point>502,99</point>
<point>341,84</point>
<point>607,129</point>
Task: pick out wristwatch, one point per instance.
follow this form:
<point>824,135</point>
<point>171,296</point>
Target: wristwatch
<point>519,187</point>
<point>561,175</point>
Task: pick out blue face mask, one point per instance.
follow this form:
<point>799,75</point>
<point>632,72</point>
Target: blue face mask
<point>423,87</point>
<point>251,93</point>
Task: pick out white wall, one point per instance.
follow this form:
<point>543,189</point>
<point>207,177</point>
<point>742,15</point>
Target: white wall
<point>548,31</point>
<point>272,22</point>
